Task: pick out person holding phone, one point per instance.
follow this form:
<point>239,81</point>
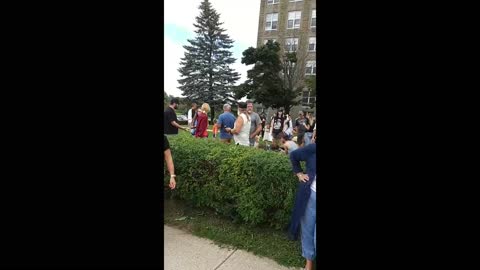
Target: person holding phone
<point>302,124</point>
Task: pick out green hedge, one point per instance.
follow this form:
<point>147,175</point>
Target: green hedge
<point>246,184</point>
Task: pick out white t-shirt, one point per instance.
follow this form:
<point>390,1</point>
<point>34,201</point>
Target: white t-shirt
<point>189,116</point>
<point>313,186</point>
<point>288,127</point>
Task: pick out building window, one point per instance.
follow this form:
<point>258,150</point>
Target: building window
<point>312,44</point>
<point>308,99</point>
<point>291,44</point>
<point>271,21</point>
<point>266,40</point>
<point>294,19</point>
<point>294,0</point>
<point>314,19</point>
<point>271,2</point>
<point>311,68</point>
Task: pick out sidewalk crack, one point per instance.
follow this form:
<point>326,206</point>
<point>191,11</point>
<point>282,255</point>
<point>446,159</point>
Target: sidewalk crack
<point>228,257</point>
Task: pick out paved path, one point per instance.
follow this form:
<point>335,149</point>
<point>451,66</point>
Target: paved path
<point>188,252</point>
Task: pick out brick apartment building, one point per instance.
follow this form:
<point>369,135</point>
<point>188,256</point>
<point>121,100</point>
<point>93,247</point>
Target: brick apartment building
<point>292,23</point>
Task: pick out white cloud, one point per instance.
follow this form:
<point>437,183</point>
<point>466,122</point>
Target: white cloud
<point>240,19</point>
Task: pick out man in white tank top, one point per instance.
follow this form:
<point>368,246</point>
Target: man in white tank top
<point>241,129</point>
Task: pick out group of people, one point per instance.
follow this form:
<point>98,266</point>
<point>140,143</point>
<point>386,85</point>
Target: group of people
<point>247,128</point>
<point>197,120</point>
<point>244,130</point>
<point>282,129</point>
<point>304,127</point>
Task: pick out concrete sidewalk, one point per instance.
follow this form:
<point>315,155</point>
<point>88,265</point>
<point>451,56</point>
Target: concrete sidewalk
<point>188,252</point>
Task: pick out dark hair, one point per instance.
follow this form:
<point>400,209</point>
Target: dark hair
<point>284,136</point>
<point>174,100</point>
<point>242,105</point>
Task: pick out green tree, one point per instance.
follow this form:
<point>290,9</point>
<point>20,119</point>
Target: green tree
<point>311,84</point>
<point>206,75</point>
<point>275,80</point>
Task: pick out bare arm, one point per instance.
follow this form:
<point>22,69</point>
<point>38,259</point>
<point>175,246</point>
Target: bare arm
<point>238,126</point>
<point>314,136</point>
<point>173,123</point>
<point>170,167</point>
<point>307,124</point>
<point>258,130</point>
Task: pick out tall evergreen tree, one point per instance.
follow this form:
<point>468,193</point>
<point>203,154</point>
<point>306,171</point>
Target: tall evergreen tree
<point>206,75</point>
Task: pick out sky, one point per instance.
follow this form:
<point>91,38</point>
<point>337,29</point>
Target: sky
<point>240,20</point>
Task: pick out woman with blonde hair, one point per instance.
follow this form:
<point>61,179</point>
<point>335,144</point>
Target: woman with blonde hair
<point>202,121</point>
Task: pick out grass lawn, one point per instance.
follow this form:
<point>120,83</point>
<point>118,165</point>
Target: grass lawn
<point>205,223</point>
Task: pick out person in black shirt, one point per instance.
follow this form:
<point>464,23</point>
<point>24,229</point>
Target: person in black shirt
<point>301,126</point>
<point>170,125</point>
<point>276,126</point>
<point>169,160</point>
<point>264,120</point>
